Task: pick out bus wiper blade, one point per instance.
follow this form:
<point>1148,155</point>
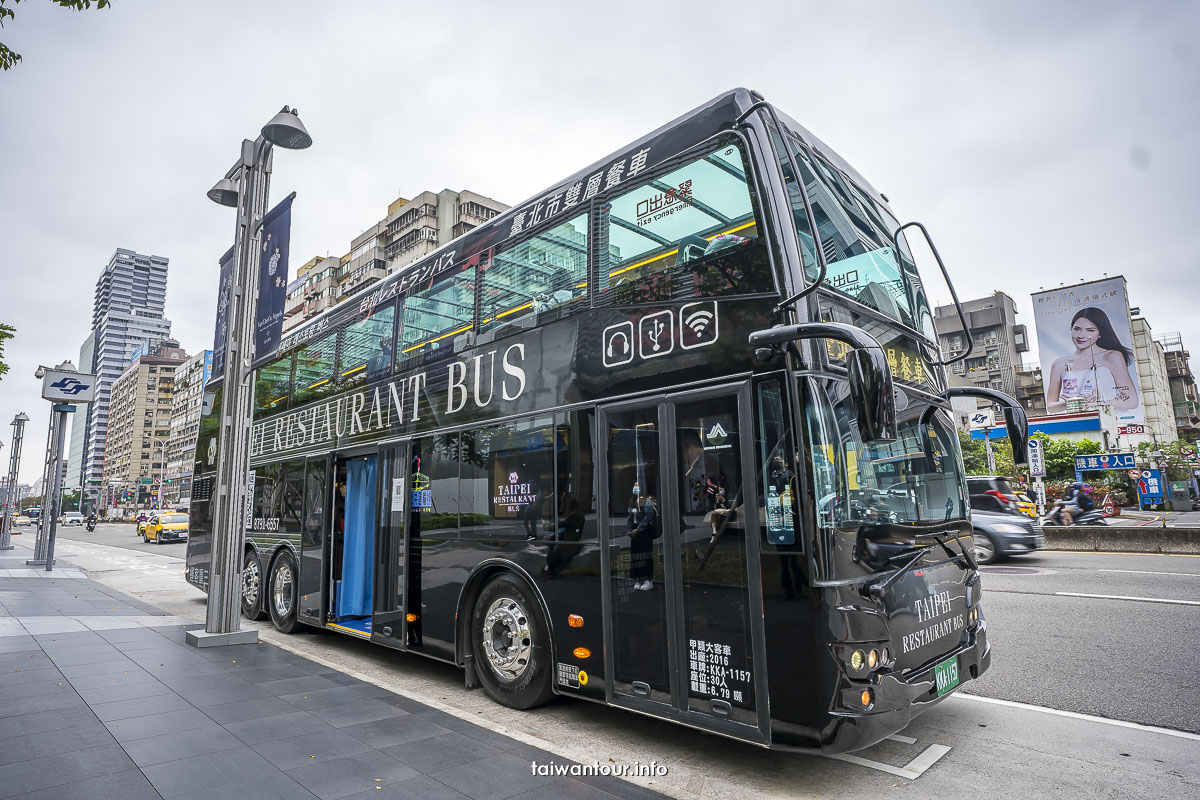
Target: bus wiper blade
<point>964,555</point>
<point>877,590</point>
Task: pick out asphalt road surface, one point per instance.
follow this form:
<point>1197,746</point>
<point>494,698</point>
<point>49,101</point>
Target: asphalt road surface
<point>1129,659</point>
<point>121,534</point>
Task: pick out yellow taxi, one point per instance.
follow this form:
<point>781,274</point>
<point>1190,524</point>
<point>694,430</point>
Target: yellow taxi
<point>21,519</point>
<point>171,527</point>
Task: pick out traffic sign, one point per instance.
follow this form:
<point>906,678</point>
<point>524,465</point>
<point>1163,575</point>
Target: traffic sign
<point>1037,458</point>
<point>1135,473</point>
<point>1105,461</point>
<point>1109,508</point>
<point>980,420</point>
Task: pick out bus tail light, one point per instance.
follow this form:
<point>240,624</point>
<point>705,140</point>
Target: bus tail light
<point>410,617</point>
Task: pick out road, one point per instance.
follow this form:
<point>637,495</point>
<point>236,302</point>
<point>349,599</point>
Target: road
<point>1056,657</point>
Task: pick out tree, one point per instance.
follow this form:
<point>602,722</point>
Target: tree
<point>9,59</point>
<point>974,453</point>
<point>6,333</point>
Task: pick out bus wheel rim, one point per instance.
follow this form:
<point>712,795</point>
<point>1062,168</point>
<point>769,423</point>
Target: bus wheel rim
<point>282,590</point>
<point>251,581</point>
<point>507,638</point>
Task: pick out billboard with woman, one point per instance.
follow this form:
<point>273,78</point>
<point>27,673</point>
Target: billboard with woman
<point>1086,349</point>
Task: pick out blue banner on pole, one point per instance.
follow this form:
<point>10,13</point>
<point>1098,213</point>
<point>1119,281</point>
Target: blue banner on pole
<point>221,332</point>
<point>273,248</point>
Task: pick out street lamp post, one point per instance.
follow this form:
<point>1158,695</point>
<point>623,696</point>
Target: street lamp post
<point>245,187</point>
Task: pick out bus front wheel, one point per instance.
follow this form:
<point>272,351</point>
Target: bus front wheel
<point>511,644</point>
<point>281,593</point>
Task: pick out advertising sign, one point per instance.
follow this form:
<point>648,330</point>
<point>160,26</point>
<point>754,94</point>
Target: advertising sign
<point>68,387</point>
<point>1150,487</point>
<point>221,328</point>
<point>1131,430</point>
<point>273,249</point>
<point>1037,458</point>
<point>1086,349</point>
<point>1104,461</point>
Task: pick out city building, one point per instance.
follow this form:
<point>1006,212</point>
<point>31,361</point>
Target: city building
<point>411,229</point>
<point>1153,383</point>
<point>20,492</point>
<point>999,342</point>
<point>139,425</point>
<point>186,402</point>
<point>128,313</point>
<point>1030,390</point>
<point>1185,400</point>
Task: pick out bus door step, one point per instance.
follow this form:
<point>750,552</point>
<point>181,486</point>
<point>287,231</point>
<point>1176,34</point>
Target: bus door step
<point>640,689</point>
<point>720,708</point>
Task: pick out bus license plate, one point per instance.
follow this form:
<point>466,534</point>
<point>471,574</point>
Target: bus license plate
<point>945,675</point>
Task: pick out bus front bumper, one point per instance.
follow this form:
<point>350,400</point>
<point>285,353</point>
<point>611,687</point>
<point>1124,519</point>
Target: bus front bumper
<point>898,699</point>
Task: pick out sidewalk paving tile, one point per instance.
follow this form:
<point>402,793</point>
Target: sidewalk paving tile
<point>308,748</point>
<point>129,784</point>
<point>254,731</point>
<point>494,778</point>
<point>339,777</point>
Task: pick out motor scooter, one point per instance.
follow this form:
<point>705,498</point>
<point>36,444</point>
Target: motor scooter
<point>91,524</point>
<point>1057,515</point>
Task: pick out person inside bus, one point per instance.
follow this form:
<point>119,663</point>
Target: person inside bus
<point>642,525</point>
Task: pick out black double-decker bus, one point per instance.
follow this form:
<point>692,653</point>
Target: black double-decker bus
<point>671,436</point>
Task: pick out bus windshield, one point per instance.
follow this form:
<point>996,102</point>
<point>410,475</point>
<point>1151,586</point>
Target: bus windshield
<point>862,259</point>
<point>916,479</point>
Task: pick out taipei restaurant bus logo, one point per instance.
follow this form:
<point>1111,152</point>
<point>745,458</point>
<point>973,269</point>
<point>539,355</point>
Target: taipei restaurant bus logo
<point>934,607</point>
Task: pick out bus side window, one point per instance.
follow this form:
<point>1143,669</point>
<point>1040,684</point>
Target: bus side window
<point>314,373</point>
<point>272,385</point>
<point>541,276</point>
<point>692,232</point>
<point>365,349</point>
<point>436,314</point>
<point>507,480</point>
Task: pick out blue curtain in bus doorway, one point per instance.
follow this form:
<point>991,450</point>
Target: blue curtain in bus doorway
<point>354,599</point>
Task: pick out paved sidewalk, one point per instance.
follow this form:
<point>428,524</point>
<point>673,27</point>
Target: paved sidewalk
<point>101,698</point>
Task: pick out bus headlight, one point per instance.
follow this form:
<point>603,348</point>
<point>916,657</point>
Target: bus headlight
<point>856,660</point>
<point>872,659</point>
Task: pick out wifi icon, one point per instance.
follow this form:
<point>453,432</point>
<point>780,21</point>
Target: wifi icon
<point>698,324</point>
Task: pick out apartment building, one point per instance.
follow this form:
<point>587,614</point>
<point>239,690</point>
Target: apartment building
<point>999,342</point>
<point>186,402</point>
<point>139,423</point>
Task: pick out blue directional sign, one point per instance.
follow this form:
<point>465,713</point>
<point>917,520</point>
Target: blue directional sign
<point>1150,487</point>
<point>1104,461</point>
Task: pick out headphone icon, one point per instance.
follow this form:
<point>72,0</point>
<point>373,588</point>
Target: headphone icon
<point>624,343</point>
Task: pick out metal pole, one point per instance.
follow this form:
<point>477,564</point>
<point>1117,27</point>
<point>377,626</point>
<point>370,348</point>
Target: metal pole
<point>14,461</point>
<point>223,614</point>
<point>61,411</point>
<point>43,529</point>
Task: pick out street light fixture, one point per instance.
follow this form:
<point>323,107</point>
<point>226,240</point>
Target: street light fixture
<point>245,187</point>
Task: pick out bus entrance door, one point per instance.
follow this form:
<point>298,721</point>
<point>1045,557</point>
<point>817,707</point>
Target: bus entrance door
<point>680,570</point>
<point>390,548</point>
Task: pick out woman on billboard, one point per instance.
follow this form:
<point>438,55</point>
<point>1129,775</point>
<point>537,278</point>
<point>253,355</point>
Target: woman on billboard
<point>1098,370</point>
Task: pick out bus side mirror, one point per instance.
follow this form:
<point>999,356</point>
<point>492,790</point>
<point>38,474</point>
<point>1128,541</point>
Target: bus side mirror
<point>872,393</point>
<point>1018,433</point>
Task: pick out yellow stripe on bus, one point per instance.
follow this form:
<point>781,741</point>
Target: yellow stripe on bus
<point>351,631</point>
<point>443,336</point>
<point>676,250</point>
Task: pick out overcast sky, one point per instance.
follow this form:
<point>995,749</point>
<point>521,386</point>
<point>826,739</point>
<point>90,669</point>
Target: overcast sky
<point>1041,142</point>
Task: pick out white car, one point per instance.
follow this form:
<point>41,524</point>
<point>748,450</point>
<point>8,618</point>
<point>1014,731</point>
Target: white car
<point>72,518</point>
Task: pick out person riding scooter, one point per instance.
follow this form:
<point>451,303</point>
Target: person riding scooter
<point>91,522</point>
<point>1078,503</point>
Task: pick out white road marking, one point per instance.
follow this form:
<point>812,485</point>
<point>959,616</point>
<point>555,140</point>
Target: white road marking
<point>1150,572</point>
<point>911,771</point>
<point>1125,597</point>
<point>895,737</point>
<point>1120,723</point>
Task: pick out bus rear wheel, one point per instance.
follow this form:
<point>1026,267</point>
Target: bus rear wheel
<point>281,593</point>
<point>252,584</point>
<point>511,644</point>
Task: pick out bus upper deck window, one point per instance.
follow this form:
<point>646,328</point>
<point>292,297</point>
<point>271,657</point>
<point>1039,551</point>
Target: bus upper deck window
<point>691,232</point>
<point>546,273</point>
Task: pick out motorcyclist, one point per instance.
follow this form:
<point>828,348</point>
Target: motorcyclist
<point>1078,503</point>
<point>91,522</point>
